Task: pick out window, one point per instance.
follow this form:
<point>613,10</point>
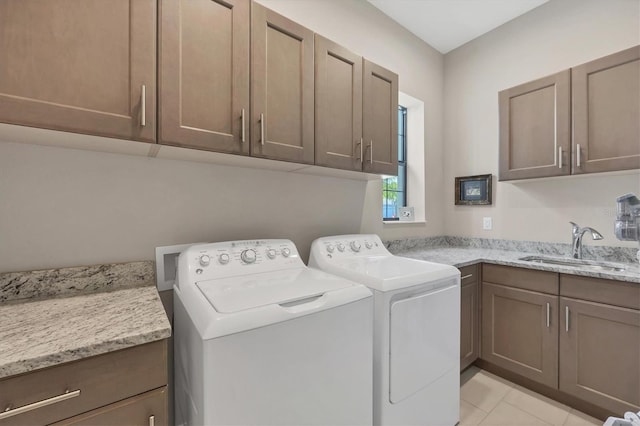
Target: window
<point>394,189</point>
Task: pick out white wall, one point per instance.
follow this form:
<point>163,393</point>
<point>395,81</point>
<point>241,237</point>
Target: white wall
<point>63,207</point>
<point>553,37</point>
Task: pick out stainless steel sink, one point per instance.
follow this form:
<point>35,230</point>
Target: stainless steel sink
<point>576,263</point>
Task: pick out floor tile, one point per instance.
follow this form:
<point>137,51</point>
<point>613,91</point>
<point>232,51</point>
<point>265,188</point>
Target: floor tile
<point>538,405</point>
<point>470,415</point>
<point>577,418</point>
<point>507,415</point>
<point>484,390</point>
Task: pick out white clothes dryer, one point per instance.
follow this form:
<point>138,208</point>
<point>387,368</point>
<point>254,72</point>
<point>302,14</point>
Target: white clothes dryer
<point>260,339</point>
<point>416,379</point>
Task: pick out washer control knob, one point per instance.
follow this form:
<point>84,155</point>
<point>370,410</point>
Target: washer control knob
<point>286,252</point>
<point>205,260</point>
<point>330,248</point>
<point>271,253</point>
<point>223,258</point>
<point>368,245</point>
<point>340,247</point>
<point>248,256</point>
<point>355,246</point>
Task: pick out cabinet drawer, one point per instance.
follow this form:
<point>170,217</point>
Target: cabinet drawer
<point>528,279</point>
<point>100,380</point>
<point>610,292</point>
<point>148,409</point>
<point>468,274</point>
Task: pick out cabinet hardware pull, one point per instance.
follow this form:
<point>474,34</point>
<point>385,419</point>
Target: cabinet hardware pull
<point>143,106</point>
<point>465,277</point>
<point>578,155</point>
<point>560,157</point>
<point>360,144</point>
<point>548,315</point>
<point>152,420</point>
<point>29,407</point>
<point>361,153</point>
<point>371,152</point>
<point>566,318</point>
<point>261,129</point>
<point>242,130</point>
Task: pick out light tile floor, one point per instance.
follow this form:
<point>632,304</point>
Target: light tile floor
<point>489,400</point>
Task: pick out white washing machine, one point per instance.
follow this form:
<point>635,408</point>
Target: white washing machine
<point>260,339</point>
<point>416,379</point>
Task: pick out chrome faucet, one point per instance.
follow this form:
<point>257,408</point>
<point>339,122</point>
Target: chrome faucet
<point>576,241</point>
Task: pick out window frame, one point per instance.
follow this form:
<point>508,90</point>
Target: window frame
<point>402,165</point>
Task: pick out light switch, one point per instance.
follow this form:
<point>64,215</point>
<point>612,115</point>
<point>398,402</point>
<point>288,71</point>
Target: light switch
<point>487,223</point>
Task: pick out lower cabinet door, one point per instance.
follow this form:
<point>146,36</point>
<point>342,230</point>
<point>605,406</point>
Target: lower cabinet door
<point>147,409</point>
<point>520,332</point>
<point>600,354</point>
<point>469,319</point>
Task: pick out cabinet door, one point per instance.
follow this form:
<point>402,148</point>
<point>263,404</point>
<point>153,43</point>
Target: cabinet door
<point>469,317</point>
<point>520,332</point>
<point>338,97</point>
<point>535,128</point>
<point>147,409</point>
<point>380,120</point>
<point>282,114</point>
<point>204,74</point>
<point>606,107</point>
<point>600,354</point>
<point>85,66</point>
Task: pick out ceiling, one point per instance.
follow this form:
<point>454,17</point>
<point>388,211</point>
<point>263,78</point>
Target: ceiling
<point>447,24</point>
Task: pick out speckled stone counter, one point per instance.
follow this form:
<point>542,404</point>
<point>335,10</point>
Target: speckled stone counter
<point>82,320</point>
<point>467,251</point>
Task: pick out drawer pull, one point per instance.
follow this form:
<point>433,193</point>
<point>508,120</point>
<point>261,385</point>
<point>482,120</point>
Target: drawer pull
<point>465,277</point>
<point>152,420</point>
<point>566,318</point>
<point>548,315</point>
<point>29,407</point>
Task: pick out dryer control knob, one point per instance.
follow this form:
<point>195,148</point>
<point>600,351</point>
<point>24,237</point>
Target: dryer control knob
<point>205,260</point>
<point>248,256</point>
<point>285,252</point>
<point>368,245</point>
<point>340,247</point>
<point>223,258</point>
<point>355,246</point>
<point>330,248</point>
<point>271,253</point>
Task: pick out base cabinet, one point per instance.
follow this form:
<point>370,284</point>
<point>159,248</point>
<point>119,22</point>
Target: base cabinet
<point>469,316</point>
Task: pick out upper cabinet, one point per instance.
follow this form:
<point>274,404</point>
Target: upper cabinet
<point>535,132</point>
<point>380,120</point>
<point>583,120</point>
<point>204,74</point>
<point>282,105</point>
<point>606,113</point>
<point>86,66</point>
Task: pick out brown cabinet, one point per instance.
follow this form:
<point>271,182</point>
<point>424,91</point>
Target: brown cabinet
<point>535,132</point>
<point>85,66</point>
<point>606,107</point>
<point>204,74</point>
<point>469,316</point>
<point>61,392</point>
<point>282,88</point>
<point>600,343</point>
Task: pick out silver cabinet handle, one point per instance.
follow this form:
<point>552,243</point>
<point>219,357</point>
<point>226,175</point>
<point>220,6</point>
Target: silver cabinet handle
<point>548,315</point>
<point>152,420</point>
<point>10,412</point>
<point>360,143</point>
<point>242,125</point>
<point>578,155</point>
<point>560,157</point>
<point>566,318</point>
<point>465,277</point>
<point>143,106</point>
<point>261,129</point>
<point>371,152</point>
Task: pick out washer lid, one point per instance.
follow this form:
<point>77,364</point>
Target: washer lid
<point>246,292</point>
<point>386,273</point>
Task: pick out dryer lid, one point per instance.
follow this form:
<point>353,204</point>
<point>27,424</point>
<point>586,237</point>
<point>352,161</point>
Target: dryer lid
<point>246,292</point>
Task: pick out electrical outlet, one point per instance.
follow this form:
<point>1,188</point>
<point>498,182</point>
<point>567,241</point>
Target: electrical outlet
<point>487,223</point>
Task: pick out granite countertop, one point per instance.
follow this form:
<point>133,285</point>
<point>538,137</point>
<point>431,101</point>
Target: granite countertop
<point>461,252</point>
<point>79,320</point>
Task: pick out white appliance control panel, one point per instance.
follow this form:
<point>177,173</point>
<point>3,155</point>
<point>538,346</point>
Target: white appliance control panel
<point>346,246</point>
<point>232,258</point>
